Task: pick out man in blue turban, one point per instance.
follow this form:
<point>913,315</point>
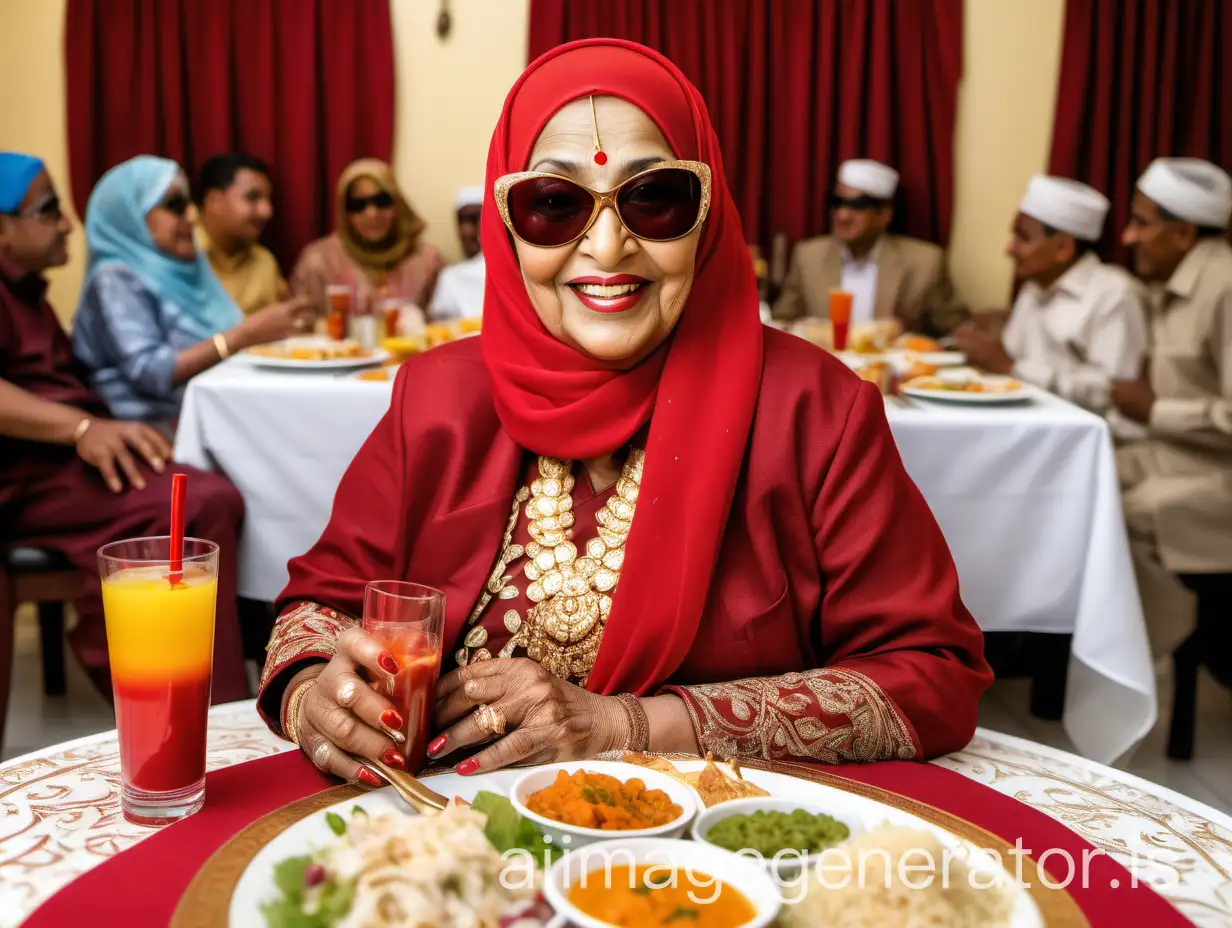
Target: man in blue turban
<point>72,478</point>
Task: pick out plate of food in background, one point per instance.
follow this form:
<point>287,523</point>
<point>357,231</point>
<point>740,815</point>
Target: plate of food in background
<point>967,386</point>
<point>314,352</point>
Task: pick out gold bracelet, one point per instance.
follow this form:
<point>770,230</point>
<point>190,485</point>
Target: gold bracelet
<point>82,427</point>
<point>220,345</point>
<point>639,724</point>
<point>293,702</point>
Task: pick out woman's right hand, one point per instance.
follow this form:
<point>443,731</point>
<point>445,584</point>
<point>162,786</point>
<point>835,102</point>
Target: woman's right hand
<point>344,714</point>
<point>277,321</point>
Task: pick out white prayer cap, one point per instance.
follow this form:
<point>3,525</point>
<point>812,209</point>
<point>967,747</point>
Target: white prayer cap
<point>869,177</point>
<point>468,196</point>
<point>1066,205</point>
<point>1190,188</point>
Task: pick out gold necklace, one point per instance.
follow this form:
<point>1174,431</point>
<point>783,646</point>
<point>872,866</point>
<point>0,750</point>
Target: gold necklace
<point>571,594</point>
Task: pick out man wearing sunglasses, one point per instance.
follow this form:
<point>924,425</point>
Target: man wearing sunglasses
<point>71,477</point>
<point>234,191</point>
<point>459,289</point>
<point>889,276</point>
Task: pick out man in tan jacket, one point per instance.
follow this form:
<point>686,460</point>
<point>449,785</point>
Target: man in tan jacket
<point>1177,484</point>
<point>890,276</point>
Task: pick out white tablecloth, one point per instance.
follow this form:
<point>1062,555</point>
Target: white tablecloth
<point>1026,495</point>
<point>61,813</point>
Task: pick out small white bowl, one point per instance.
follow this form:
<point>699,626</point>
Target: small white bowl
<point>743,875</point>
<point>541,777</point>
<point>787,866</point>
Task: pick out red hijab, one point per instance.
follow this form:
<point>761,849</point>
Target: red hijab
<point>698,390</point>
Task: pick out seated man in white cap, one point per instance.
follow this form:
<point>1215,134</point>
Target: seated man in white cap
<point>1078,324</point>
<point>1177,485</point>
<point>890,276</point>
<point>459,289</point>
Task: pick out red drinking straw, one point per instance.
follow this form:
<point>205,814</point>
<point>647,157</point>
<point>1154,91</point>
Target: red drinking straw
<point>179,486</point>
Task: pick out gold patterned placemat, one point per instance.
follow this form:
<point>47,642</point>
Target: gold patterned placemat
<point>207,900</point>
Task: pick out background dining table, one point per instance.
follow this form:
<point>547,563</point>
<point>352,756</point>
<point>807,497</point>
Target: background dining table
<point>1026,495</point>
<point>60,812</point>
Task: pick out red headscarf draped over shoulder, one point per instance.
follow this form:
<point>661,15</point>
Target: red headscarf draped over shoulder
<point>698,390</point>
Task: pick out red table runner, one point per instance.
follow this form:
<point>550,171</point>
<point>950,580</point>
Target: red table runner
<point>142,885</point>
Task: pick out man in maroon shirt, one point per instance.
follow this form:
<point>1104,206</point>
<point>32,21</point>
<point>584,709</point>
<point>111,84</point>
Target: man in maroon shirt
<point>71,477</point>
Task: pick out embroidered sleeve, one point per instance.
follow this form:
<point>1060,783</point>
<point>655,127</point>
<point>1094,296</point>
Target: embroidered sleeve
<point>832,715</point>
<point>306,633</point>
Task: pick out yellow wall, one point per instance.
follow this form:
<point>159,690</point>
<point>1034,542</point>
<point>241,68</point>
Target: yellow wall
<point>450,94</point>
<point>1012,56</point>
<point>32,117</point>
<point>449,98</point>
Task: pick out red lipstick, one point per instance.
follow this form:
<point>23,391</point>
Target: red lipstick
<point>631,289</point>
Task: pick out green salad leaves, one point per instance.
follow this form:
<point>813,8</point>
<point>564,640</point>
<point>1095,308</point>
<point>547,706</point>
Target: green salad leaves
<point>509,831</point>
<point>288,911</point>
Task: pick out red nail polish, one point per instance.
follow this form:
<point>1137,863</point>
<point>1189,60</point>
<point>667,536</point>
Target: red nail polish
<point>470,765</point>
<point>394,759</point>
<point>391,719</point>
<point>368,777</point>
<point>437,746</point>
<point>387,662</point>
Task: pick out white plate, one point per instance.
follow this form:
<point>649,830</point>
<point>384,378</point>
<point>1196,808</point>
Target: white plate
<point>968,374</point>
<point>379,356</point>
<point>931,358</point>
<point>1004,397</point>
<point>903,361</point>
<point>256,883</point>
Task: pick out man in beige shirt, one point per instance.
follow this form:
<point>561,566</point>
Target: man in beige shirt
<point>1177,484</point>
<point>234,193</point>
<point>889,276</point>
<point>1077,324</point>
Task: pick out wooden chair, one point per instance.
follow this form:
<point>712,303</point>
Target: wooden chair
<point>31,575</point>
<point>1209,643</point>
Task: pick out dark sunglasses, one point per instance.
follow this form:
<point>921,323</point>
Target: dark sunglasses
<point>382,200</point>
<point>864,201</point>
<point>177,204</point>
<point>48,207</point>
<point>664,203</point>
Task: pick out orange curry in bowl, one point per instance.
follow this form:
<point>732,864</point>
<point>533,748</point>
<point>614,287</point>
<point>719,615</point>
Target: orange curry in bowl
<point>596,800</point>
<point>653,896</point>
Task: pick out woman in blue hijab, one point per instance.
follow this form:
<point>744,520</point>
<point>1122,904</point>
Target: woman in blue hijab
<point>152,314</point>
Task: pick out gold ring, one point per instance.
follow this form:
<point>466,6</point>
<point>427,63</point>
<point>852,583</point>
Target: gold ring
<point>490,719</point>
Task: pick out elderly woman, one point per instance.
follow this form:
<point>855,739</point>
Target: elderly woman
<point>659,525</point>
<point>376,248</point>
<point>152,314</point>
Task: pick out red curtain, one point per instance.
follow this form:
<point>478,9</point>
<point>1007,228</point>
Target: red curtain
<point>1140,79</point>
<point>796,86</point>
<point>308,85</point>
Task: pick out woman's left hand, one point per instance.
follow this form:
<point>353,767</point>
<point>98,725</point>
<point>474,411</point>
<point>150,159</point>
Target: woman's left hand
<point>546,718</point>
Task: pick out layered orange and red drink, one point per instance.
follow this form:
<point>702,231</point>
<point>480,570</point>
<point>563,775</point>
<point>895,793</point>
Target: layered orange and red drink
<point>160,636</point>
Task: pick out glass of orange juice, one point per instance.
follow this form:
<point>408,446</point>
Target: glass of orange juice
<point>340,306</point>
<point>408,618</point>
<point>160,636</point>
<point>840,317</point>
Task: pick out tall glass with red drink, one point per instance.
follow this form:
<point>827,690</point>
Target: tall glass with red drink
<point>840,317</point>
<point>340,300</point>
<point>408,619</point>
<point>160,636</point>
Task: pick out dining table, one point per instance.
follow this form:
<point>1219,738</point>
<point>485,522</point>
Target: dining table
<point>1026,495</point>
<point>60,813</point>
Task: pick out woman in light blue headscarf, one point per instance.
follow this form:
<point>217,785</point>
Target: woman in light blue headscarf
<point>152,314</point>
